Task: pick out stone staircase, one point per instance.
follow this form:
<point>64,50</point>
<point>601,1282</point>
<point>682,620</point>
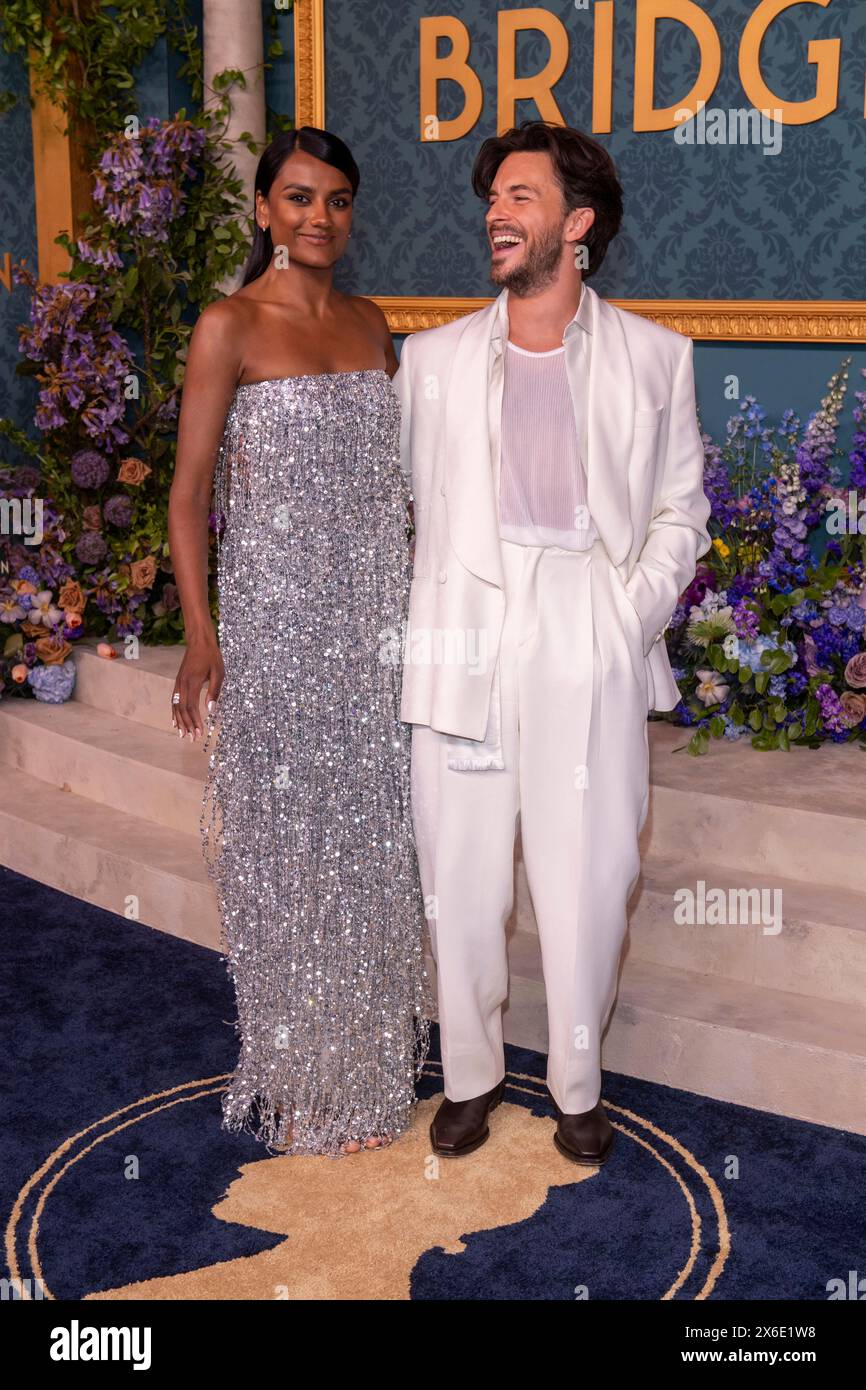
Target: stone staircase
<point>100,799</point>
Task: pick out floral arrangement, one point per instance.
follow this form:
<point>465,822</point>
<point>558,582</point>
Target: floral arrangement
<point>108,347</point>
<point>107,413</point>
<point>768,641</point>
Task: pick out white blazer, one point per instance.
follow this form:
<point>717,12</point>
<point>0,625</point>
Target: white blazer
<point>645,494</point>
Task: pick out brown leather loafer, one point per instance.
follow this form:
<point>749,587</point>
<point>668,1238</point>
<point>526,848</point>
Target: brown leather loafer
<point>585,1138</point>
<point>460,1126</point>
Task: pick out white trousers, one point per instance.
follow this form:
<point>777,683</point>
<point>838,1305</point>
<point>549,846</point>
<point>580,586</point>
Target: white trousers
<point>574,741</point>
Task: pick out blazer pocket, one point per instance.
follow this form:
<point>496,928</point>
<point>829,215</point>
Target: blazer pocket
<point>650,416</point>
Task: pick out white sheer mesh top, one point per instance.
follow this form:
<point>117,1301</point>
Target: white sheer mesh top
<point>542,482</point>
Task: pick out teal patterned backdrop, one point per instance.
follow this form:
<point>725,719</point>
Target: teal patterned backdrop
<point>17,235</point>
<point>701,222</point>
<point>695,224</point>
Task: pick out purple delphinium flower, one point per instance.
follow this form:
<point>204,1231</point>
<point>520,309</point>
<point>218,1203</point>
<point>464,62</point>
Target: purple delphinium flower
<point>857,454</point>
<point>741,586</point>
<point>746,620</point>
<point>717,485</point>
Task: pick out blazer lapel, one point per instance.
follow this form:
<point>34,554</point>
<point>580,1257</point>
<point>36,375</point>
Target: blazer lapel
<point>470,497</point>
<point>610,429</point>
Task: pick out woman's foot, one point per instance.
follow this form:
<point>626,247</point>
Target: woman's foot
<point>375,1141</point>
<point>352,1146</point>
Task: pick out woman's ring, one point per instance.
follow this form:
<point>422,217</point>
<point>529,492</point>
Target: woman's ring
<point>175,699</point>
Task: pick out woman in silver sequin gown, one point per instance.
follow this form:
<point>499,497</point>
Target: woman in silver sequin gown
<point>306,821</point>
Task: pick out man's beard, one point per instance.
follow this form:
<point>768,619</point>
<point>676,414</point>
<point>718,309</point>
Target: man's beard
<point>538,267</point>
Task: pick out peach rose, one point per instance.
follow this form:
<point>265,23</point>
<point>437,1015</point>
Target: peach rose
<point>19,673</point>
<point>105,649</point>
<point>855,671</point>
<point>92,518</point>
<point>71,597</point>
<point>23,586</point>
<point>52,650</point>
<point>32,629</point>
<point>133,471</point>
<point>143,572</point>
<point>853,707</point>
<point>71,618</point>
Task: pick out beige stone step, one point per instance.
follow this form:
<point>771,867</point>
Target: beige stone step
<point>820,949</point>
<point>138,689</point>
<point>107,857</point>
<point>767,1049</point>
<point>106,758</point>
<point>801,815</point>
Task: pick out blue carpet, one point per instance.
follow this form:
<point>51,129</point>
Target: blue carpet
<point>700,1199</point>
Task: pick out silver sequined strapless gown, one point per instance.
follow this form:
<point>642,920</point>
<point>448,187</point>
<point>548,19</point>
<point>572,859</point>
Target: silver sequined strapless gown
<point>306,820</point>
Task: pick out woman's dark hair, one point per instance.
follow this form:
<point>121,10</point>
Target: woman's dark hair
<point>585,172</point>
<point>320,143</point>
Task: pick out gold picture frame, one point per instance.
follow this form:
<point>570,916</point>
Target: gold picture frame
<point>777,320</point>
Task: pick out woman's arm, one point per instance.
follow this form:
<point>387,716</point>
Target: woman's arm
<point>212,371</point>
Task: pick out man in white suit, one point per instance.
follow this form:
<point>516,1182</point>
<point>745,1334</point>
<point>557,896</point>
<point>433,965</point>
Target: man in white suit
<point>557,472</point>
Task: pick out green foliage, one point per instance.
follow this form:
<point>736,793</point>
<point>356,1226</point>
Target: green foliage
<point>82,56</point>
<point>85,53</point>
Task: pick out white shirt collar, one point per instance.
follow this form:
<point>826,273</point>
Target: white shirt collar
<point>582,319</point>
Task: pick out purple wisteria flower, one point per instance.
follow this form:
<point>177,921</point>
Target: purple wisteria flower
<point>83,360</point>
<point>105,257</point>
<point>139,186</point>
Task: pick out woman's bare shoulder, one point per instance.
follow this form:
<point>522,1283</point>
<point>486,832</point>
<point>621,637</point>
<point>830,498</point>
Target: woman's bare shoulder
<point>367,307</point>
<point>222,321</point>
<point>219,316</point>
